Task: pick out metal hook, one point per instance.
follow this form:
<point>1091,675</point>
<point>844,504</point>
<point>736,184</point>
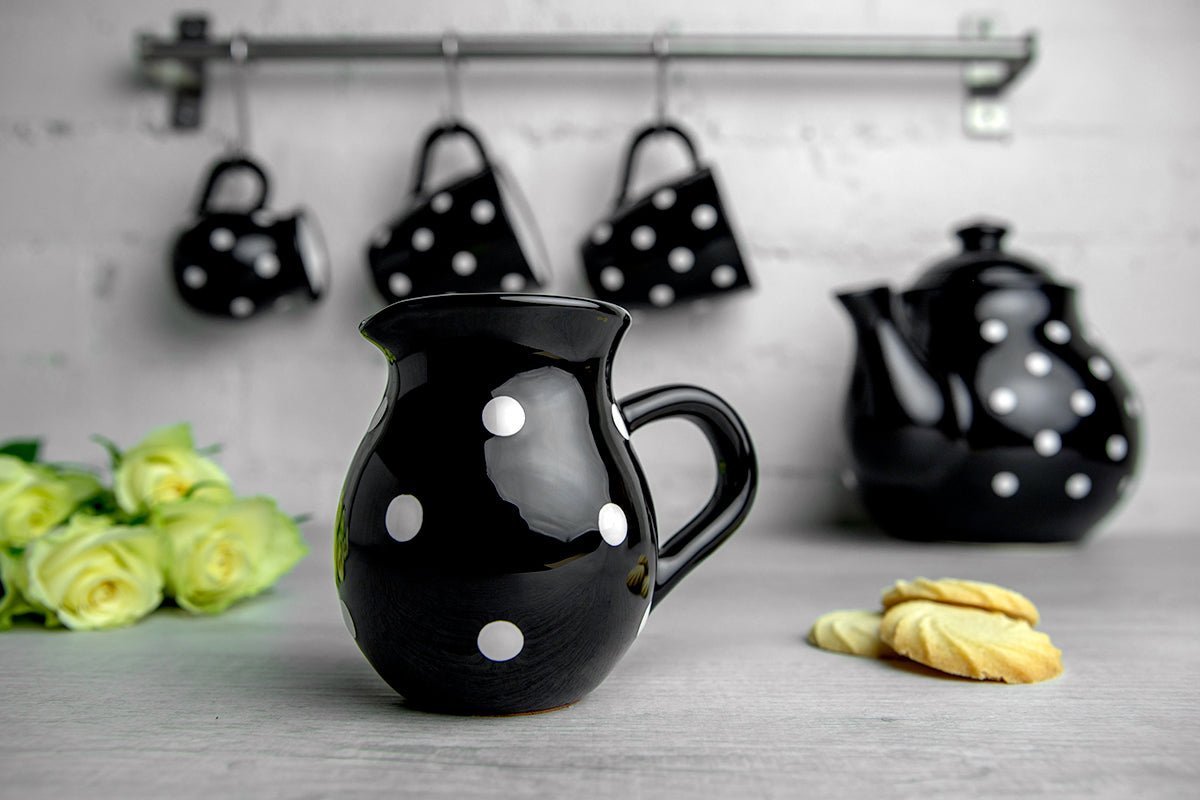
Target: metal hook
<point>454,89</point>
<point>239,52</point>
<point>662,49</point>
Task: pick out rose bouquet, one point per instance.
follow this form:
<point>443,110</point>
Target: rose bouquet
<point>91,556</point>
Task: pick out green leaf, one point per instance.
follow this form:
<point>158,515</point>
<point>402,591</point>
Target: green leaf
<point>114,452</point>
<point>24,449</point>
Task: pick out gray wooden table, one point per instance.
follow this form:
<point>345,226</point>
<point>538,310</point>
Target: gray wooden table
<point>720,697</point>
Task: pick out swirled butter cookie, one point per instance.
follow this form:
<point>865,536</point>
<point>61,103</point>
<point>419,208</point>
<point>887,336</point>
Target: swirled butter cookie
<point>976,594</point>
<point>972,642</point>
<point>855,632</point>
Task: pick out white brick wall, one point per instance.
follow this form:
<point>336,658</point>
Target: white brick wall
<point>837,175</point>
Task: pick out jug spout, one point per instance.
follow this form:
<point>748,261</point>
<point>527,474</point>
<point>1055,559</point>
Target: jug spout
<point>891,385</point>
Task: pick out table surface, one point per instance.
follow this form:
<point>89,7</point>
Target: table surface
<point>721,693</point>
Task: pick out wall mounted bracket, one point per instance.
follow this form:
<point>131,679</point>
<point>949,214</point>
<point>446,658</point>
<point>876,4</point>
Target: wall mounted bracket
<point>990,64</point>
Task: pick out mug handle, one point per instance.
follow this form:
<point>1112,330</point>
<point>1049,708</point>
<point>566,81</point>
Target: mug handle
<point>737,474</point>
<point>453,127</point>
<point>226,165</point>
<point>641,136</point>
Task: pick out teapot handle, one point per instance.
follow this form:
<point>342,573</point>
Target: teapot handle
<point>226,165</point>
<point>639,138</point>
<point>737,475</point>
<point>451,128</point>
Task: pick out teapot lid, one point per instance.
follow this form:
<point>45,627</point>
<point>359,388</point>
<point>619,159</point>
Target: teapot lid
<point>983,262</point>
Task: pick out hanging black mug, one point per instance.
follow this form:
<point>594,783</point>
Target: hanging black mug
<point>466,236</point>
<point>673,243</point>
<point>233,263</point>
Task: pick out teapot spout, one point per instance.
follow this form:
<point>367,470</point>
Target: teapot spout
<point>891,385</point>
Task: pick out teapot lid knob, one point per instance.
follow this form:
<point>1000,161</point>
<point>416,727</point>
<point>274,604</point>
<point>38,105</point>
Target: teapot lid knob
<point>981,236</point>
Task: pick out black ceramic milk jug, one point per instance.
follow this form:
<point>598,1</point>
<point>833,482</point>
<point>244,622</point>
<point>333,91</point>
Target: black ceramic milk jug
<point>495,547</point>
<point>979,410</point>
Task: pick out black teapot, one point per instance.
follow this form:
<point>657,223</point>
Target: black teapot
<point>978,410</point>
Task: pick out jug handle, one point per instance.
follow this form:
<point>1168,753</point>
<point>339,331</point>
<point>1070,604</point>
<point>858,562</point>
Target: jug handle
<point>737,474</point>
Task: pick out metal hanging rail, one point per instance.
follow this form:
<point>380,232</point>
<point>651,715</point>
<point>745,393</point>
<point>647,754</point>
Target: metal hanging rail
<point>990,63</point>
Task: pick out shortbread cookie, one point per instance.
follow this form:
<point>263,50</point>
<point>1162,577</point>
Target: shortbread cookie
<point>972,642</point>
<point>854,632</point>
<point>976,594</point>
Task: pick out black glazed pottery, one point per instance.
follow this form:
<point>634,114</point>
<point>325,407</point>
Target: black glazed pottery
<point>495,545</point>
<point>473,234</point>
<point>978,410</point>
<point>237,262</point>
<point>674,243</point>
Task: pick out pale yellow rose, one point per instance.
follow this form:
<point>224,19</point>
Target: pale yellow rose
<point>218,553</point>
<point>15,475</point>
<point>164,467</point>
<point>14,602</point>
<point>93,574</point>
<point>42,503</point>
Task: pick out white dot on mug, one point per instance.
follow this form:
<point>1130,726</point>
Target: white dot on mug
<point>222,239</point>
<point>662,295</point>
<point>1005,484</point>
<point>500,640</point>
<point>1100,367</point>
<point>704,216</point>
<point>680,259</point>
<point>993,330</point>
<point>1082,402</point>
<point>1038,364</point>
<point>601,233</point>
<point>1078,486</point>
<point>724,276</point>
<point>483,212</point>
<point>612,524</point>
<point>663,199</point>
<point>512,282</point>
<point>266,265</point>
<point>422,239</point>
<point>404,517</point>
<point>612,278</point>
<point>399,284</point>
<point>262,218</point>
<point>1117,447</point>
<point>503,416</point>
<point>1057,331</point>
<point>643,237</point>
<point>241,307</point>
<point>382,237</point>
<point>463,263</point>
<point>441,202</point>
<point>194,277</point>
<point>1047,442</point>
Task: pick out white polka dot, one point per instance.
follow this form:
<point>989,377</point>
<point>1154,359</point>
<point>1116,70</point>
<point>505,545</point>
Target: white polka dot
<point>241,306</point>
<point>619,421</point>
<point>503,416</point>
<point>849,479</point>
<point>643,237</point>
<point>724,276</point>
<point>377,417</point>
<point>399,284</point>
<point>1005,484</point>
<point>512,282</point>
<point>441,202</point>
<point>1117,447</point>
<point>483,211</point>
<point>1037,364</point>
<point>681,259</point>
<point>266,265</point>
<point>348,620</point>
<point>422,239</point>
<point>662,295</point>
<point>222,239</point>
<point>463,263</point>
<point>1057,331</point>
<point>612,278</point>
<point>1099,366</point>
<point>601,233</point>
<point>500,640</point>
<point>1003,400</point>
<point>663,199</point>
<point>1078,486</point>
<point>612,523</point>
<point>1123,484</point>
<point>1082,402</point>
<point>194,277</point>
<point>993,330</point>
<point>1133,406</point>
<point>381,237</point>
<point>704,216</point>
<point>1047,442</point>
<point>404,517</point>
<point>262,218</point>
